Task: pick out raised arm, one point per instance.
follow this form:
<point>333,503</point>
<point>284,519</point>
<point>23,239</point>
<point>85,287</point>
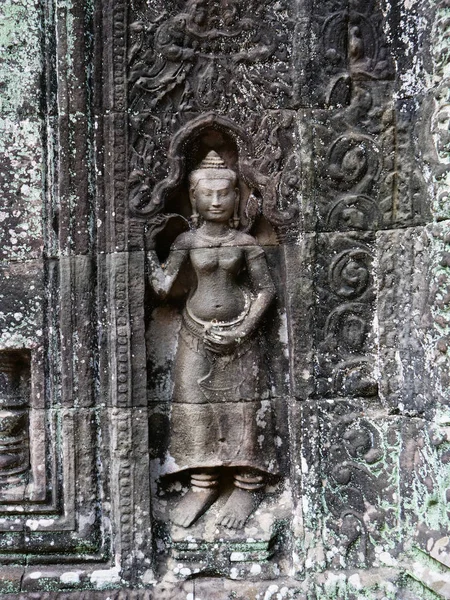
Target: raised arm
<point>162,276</point>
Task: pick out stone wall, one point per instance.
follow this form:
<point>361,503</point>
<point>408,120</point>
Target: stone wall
<point>335,115</point>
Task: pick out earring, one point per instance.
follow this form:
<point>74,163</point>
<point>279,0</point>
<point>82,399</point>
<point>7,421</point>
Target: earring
<point>195,218</point>
<point>236,220</point>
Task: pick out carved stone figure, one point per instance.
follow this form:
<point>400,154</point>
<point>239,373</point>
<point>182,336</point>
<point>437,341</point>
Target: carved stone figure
<point>220,420</point>
<point>199,57</point>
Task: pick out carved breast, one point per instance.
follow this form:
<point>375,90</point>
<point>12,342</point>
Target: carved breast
<point>208,260</point>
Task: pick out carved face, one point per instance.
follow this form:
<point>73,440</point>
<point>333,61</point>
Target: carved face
<point>215,199</point>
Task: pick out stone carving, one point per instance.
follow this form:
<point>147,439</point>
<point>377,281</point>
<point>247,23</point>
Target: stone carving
<point>275,147</point>
<point>351,166</point>
<point>368,172</point>
<point>125,99</point>
<point>353,48</point>
<point>440,125</point>
<point>352,493</point>
<point>347,313</point>
<point>403,349</point>
<point>353,162</point>
<point>266,177</point>
<point>220,417</point>
<point>14,404</point>
<point>353,212</point>
<point>157,161</point>
<point>208,55</point>
<point>352,40</point>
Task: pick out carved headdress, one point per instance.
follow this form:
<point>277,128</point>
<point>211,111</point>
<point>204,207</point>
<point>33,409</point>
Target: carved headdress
<point>212,167</point>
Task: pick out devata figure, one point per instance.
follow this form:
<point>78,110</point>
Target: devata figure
<point>220,417</point>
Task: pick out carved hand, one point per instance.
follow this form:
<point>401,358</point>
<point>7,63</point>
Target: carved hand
<point>220,341</point>
<point>155,226</point>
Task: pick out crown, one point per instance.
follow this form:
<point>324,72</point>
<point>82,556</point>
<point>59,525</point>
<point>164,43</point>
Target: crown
<point>212,161</point>
<point>211,167</point>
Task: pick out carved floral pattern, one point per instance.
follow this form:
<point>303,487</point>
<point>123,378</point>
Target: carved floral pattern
<point>367,170</point>
<point>346,301</point>
<point>351,494</point>
<point>208,55</point>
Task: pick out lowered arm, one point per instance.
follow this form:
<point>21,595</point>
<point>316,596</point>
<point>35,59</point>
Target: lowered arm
<point>263,287</point>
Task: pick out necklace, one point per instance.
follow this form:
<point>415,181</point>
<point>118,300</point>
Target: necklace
<point>217,239</point>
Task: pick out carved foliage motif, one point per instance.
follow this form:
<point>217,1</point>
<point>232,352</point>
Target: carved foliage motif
<point>275,143</point>
<point>367,171</point>
<point>353,47</point>
<point>350,165</point>
<point>352,456</point>
<point>345,314</point>
<point>208,55</point>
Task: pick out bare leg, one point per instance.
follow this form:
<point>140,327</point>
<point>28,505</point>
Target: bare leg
<point>246,496</point>
<point>204,491</point>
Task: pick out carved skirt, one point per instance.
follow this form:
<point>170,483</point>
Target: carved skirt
<point>221,412</point>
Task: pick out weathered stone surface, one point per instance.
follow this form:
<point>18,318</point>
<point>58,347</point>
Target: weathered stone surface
<point>344,315</point>
<point>204,57</point>
<point>329,123</point>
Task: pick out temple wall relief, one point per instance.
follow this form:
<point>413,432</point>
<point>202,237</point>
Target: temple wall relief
<point>224,301</point>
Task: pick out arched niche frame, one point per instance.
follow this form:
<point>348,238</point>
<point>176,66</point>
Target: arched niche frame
<point>189,145</point>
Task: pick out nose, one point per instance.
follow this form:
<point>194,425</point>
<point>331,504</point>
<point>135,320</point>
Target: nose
<point>216,200</point>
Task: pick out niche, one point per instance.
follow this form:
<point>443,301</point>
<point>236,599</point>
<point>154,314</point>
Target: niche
<point>15,381</point>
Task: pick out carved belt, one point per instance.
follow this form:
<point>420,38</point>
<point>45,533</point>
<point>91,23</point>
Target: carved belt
<point>196,328</point>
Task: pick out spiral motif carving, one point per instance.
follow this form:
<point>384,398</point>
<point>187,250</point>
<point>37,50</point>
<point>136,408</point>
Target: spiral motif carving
<point>349,273</point>
<point>352,213</point>
<point>354,160</point>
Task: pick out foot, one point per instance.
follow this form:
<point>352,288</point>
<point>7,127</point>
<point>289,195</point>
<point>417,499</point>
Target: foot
<point>192,505</point>
<point>238,508</point>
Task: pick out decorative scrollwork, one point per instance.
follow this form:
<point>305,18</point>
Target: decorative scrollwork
<point>199,57</point>
<point>352,491</point>
<point>349,273</point>
<point>346,326</point>
<point>355,378</point>
<point>352,213</point>
<point>354,162</point>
